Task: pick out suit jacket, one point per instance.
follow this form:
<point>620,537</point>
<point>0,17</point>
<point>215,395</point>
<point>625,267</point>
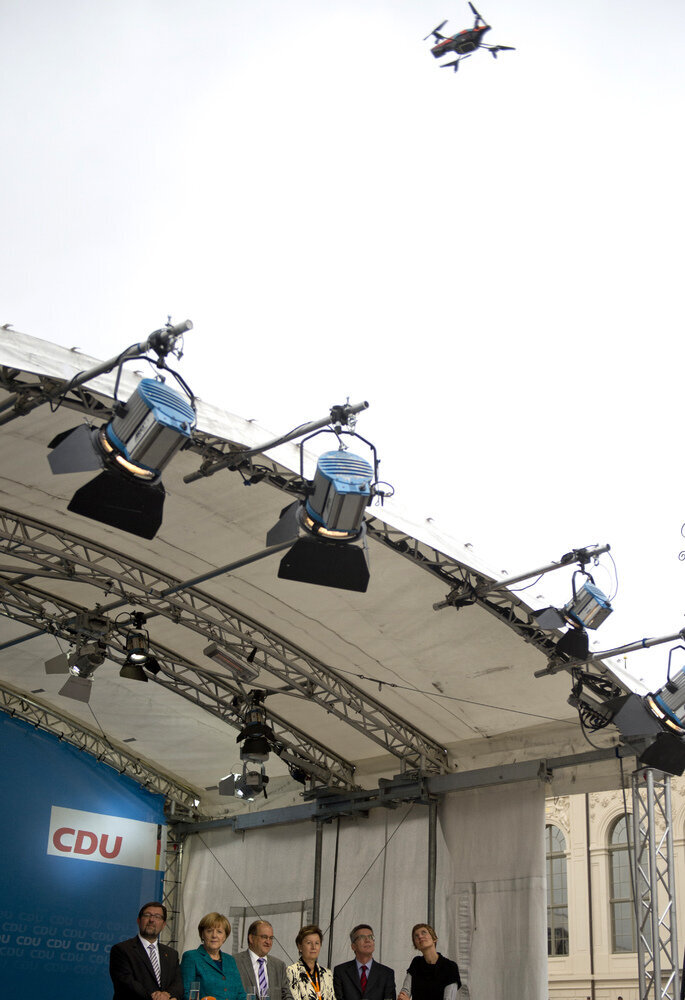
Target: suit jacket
<point>275,973</point>
<point>380,984</point>
<point>131,971</point>
<point>196,965</point>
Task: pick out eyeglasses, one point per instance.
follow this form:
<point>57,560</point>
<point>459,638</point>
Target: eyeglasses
<point>265,937</point>
<point>152,916</point>
<point>365,937</point>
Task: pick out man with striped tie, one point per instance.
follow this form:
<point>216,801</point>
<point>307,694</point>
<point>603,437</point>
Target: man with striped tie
<point>363,978</point>
<point>144,967</point>
<point>260,972</point>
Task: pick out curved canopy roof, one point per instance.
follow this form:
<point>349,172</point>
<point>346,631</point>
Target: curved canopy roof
<point>360,685</point>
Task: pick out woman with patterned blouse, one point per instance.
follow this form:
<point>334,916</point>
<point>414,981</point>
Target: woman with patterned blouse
<point>307,979</point>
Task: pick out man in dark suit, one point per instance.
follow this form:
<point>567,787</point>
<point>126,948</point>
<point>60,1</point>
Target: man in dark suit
<point>142,968</point>
<point>260,972</point>
<point>362,977</point>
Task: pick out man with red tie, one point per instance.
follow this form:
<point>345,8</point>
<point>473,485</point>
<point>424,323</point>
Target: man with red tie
<point>143,968</point>
<point>363,978</point>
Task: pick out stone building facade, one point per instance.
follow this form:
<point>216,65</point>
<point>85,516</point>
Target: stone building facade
<point>591,923</point>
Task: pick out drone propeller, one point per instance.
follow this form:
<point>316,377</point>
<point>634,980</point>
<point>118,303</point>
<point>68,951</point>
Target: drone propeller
<point>454,63</point>
<point>479,17</point>
<point>436,32</point>
<point>494,49</point>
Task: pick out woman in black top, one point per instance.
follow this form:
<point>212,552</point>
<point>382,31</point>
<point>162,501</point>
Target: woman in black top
<point>429,973</point>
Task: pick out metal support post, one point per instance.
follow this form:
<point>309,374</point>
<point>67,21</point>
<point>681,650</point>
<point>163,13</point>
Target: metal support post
<point>657,939</point>
<point>318,849</point>
<point>173,881</point>
<point>432,857</point>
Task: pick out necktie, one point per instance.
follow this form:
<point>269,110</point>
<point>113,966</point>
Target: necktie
<point>263,986</point>
<point>155,962</point>
<point>362,979</point>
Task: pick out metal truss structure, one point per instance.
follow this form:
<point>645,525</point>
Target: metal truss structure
<point>211,692</point>
<point>69,557</point>
<point>78,735</point>
<point>657,948</point>
<point>43,550</point>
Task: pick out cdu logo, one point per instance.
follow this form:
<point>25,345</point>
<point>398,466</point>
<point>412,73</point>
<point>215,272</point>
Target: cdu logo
<point>112,840</point>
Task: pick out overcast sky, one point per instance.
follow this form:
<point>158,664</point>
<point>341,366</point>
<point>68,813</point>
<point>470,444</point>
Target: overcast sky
<point>492,258</point>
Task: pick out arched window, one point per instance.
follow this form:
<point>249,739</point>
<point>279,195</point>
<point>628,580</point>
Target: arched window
<point>623,937</point>
<point>557,892</point>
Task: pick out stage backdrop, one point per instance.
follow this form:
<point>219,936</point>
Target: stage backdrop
<point>82,851</point>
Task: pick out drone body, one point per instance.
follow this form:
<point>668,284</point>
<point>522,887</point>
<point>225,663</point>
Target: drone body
<point>464,42</point>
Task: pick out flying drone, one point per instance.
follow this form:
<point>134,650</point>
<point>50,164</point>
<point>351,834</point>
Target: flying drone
<point>464,42</point>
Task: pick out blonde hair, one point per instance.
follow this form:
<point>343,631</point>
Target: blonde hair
<point>214,920</point>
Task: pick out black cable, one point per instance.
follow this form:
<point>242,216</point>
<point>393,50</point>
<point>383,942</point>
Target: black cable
<point>335,882</point>
<point>613,596</point>
<point>382,850</point>
<point>447,697</point>
<point>245,897</point>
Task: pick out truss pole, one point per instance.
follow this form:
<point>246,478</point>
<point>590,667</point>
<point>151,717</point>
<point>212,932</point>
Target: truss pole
<point>318,850</point>
<point>657,940</point>
<point>173,883</point>
<point>432,857</point>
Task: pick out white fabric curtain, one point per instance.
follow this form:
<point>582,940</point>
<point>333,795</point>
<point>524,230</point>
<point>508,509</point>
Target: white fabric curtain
<point>272,870</point>
<point>490,901</point>
<point>496,896</point>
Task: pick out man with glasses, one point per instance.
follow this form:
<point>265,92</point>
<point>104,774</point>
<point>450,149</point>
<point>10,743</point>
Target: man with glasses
<point>142,967</point>
<point>260,972</point>
<point>362,977</point>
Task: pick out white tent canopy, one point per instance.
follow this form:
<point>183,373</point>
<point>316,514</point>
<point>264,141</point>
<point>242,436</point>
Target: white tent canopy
<point>361,687</point>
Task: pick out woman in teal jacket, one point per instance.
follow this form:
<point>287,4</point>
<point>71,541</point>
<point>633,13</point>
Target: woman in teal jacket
<point>216,973</point>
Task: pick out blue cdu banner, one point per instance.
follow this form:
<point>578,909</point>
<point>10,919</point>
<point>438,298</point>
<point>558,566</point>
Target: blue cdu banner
<point>82,850</point>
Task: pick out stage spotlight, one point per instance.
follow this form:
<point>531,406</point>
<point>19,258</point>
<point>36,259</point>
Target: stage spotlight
<point>138,651</point>
<point>82,663</point>
<point>328,527</point>
<point>246,785</point>
<point>243,671</point>
<point>133,449</point>
<point>668,703</point>
<point>652,726</point>
<point>256,737</point>
<point>137,647</point>
<point>588,608</point>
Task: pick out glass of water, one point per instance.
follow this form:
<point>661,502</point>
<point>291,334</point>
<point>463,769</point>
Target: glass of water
<point>194,991</point>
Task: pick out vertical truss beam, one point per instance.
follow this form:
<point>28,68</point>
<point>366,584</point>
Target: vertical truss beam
<point>657,944</point>
<point>173,885</point>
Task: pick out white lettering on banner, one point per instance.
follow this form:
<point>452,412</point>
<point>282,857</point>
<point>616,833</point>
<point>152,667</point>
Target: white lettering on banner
<point>112,840</point>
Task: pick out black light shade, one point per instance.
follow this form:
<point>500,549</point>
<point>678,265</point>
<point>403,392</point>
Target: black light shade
<point>574,644</point>
<point>77,688</point>
<point>549,618</point>
<point>133,672</point>
<point>341,566</point>
<point>74,451</point>
<point>667,753</point>
<point>121,502</point>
